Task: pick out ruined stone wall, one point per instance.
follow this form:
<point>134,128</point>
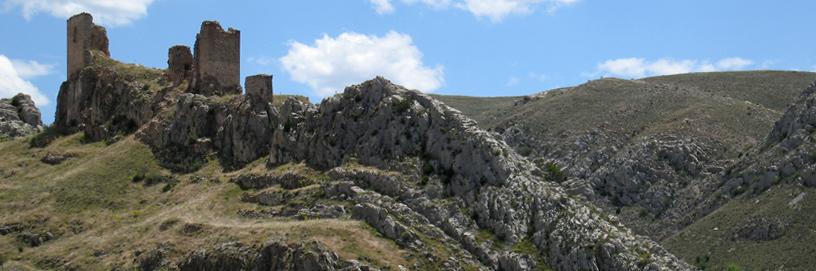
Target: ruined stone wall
<point>217,60</point>
<point>84,35</point>
<point>259,88</point>
<point>179,63</point>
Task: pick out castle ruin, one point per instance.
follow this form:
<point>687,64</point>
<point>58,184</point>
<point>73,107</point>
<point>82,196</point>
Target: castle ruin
<point>217,60</point>
<point>84,36</point>
<point>213,67</point>
<point>259,88</point>
<point>179,64</point>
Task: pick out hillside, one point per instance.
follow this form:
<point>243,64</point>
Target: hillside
<point>155,169</point>
<point>185,168</point>
<point>653,150</point>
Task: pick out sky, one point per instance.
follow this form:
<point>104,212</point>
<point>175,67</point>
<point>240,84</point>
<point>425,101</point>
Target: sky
<point>457,47</point>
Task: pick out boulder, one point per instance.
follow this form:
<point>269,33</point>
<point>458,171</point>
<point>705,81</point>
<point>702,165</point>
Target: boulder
<point>19,117</point>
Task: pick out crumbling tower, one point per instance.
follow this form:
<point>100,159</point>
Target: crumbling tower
<point>217,60</point>
<point>179,63</point>
<point>84,36</point>
<point>259,88</point>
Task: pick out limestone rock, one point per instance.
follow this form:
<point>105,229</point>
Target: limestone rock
<point>103,102</point>
<point>378,123</point>
<point>199,124</point>
<point>274,255</point>
<point>19,116</point>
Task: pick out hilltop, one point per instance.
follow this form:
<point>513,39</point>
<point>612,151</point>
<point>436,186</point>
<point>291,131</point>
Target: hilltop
<point>184,168</point>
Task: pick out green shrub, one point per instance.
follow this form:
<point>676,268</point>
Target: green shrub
<point>154,179</point>
<point>733,267</point>
<point>45,137</point>
<point>555,173</point>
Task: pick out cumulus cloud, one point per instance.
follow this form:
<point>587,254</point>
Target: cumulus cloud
<point>31,69</point>
<point>382,6</point>
<point>14,75</point>
<point>106,12</point>
<point>639,67</point>
<point>332,63</point>
<point>495,10</point>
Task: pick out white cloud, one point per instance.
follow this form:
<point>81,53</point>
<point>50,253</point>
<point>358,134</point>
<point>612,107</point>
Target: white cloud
<point>436,4</point>
<point>639,67</point>
<point>105,12</point>
<point>335,62</point>
<point>31,69</point>
<point>495,10</point>
<point>13,81</point>
<point>382,6</point>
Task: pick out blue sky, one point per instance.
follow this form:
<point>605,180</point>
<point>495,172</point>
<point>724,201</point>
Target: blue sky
<point>466,47</point>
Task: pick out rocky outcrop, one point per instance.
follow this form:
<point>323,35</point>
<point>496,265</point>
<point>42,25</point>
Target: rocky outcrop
<point>378,123</point>
<point>108,99</point>
<point>785,157</point>
<point>235,127</point>
<point>274,255</point>
<point>383,125</point>
<point>19,116</point>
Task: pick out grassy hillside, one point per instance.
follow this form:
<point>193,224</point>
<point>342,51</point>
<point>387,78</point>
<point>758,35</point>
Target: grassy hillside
<point>734,107</point>
<point>717,241</point>
<point>92,213</point>
<point>771,89</point>
<point>481,109</point>
<point>727,113</point>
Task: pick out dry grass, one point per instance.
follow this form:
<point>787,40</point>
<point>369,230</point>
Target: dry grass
<point>103,219</point>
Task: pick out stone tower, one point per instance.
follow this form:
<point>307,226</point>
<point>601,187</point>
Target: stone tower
<point>259,88</point>
<point>217,63</point>
<point>179,63</point>
<point>84,36</point>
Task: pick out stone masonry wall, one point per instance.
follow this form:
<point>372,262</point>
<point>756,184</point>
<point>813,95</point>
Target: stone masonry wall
<point>179,63</point>
<point>217,60</point>
<point>84,35</point>
<point>259,88</point>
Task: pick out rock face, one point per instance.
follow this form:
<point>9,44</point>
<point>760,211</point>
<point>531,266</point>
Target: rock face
<point>104,101</point>
<point>786,156</point>
<point>217,60</point>
<point>236,128</point>
<point>275,255</point>
<point>19,116</point>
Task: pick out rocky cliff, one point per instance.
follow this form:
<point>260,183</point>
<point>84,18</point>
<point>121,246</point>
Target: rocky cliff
<point>19,117</point>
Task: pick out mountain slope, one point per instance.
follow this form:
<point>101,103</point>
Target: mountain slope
<point>767,208</point>
<point>433,190</point>
<point>664,152</point>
